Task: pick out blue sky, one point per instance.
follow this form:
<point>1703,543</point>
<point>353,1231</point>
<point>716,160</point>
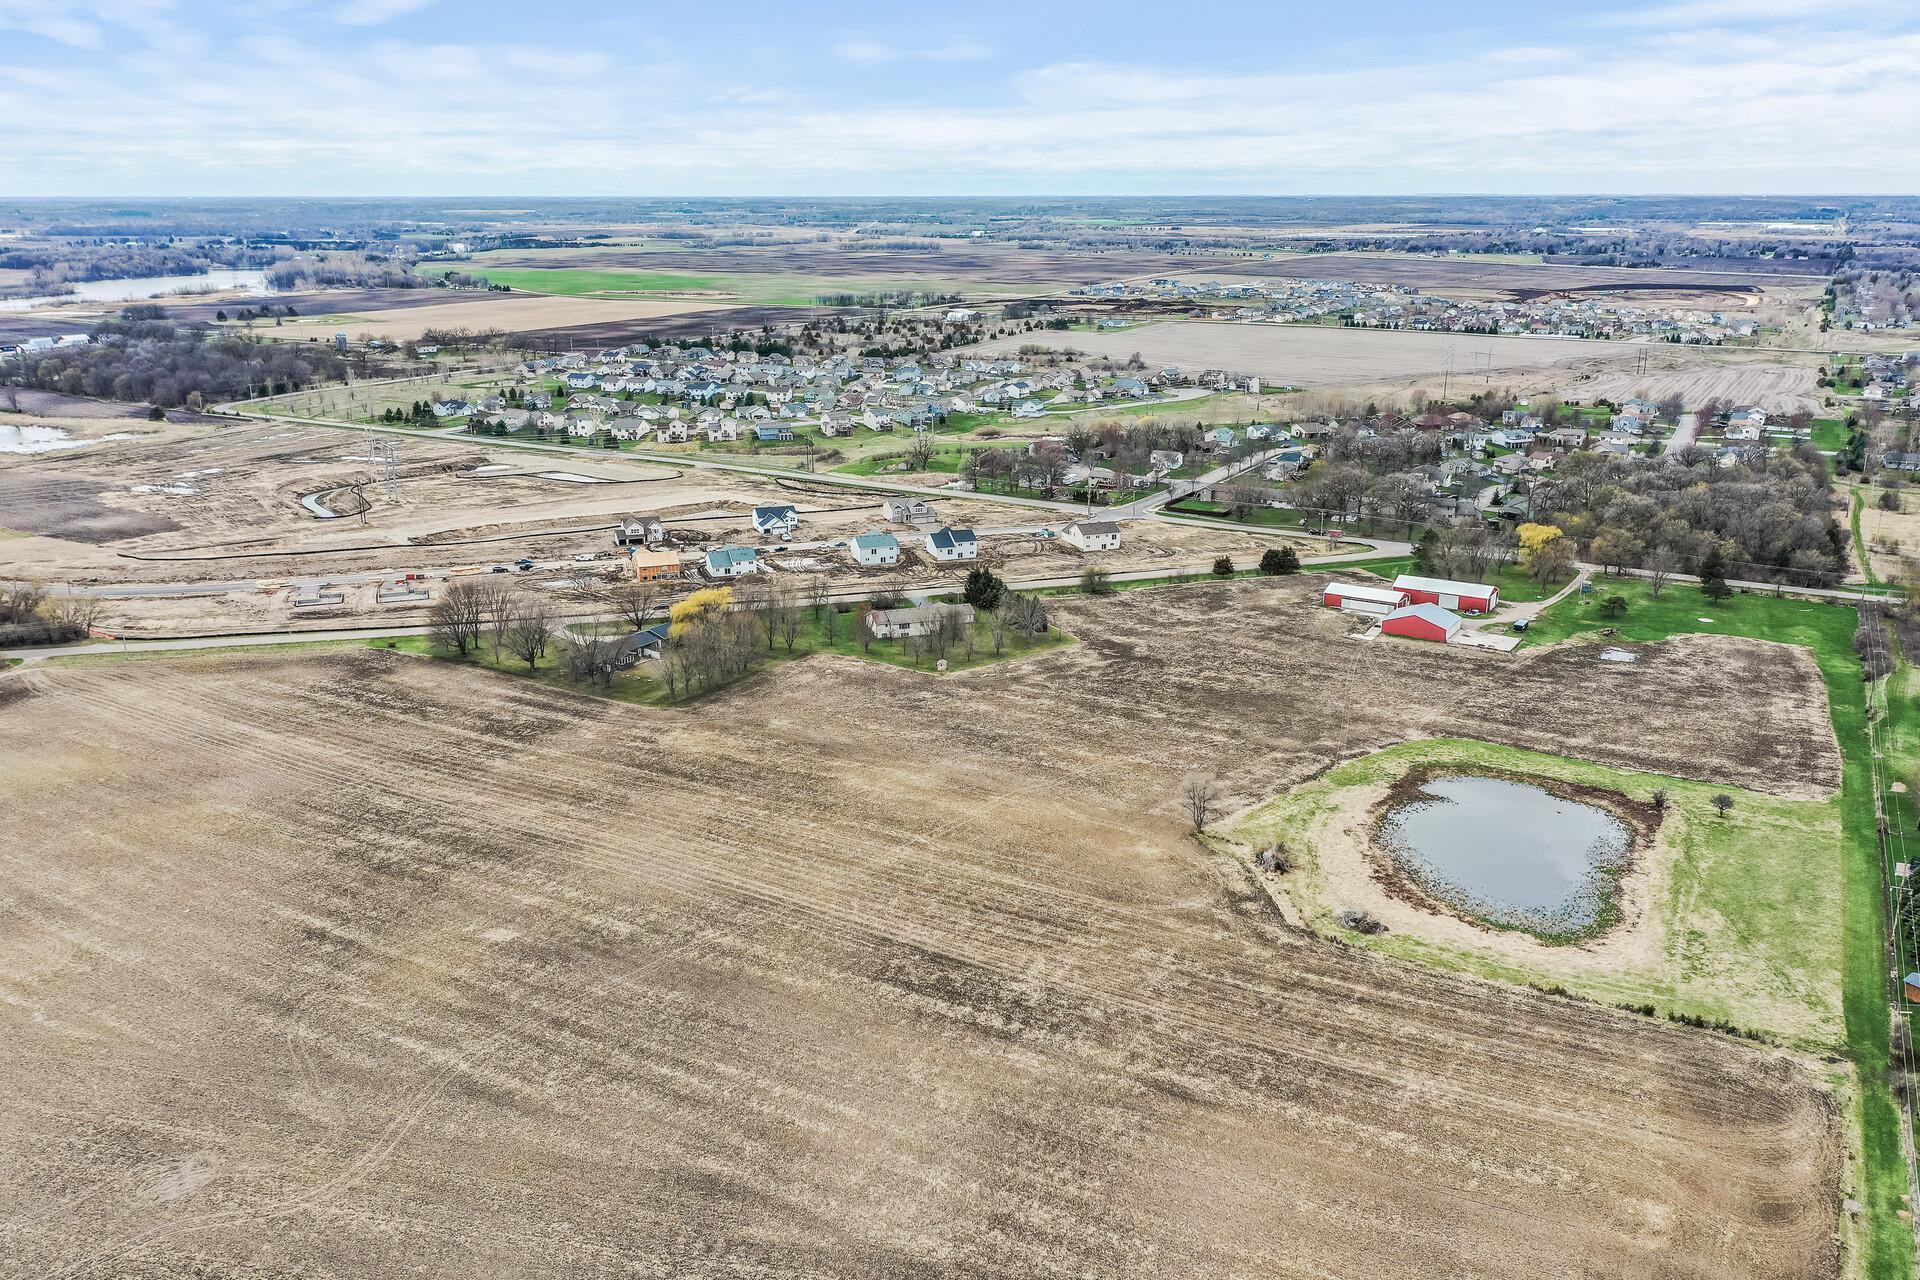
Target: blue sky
<point>483,97</point>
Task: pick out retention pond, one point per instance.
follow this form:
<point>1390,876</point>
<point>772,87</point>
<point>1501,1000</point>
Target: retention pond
<point>1510,853</point>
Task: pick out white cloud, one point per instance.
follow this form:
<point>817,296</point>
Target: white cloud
<point>862,49</point>
<point>369,13</point>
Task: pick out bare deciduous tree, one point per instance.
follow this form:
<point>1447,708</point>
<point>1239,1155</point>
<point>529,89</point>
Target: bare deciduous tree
<point>530,629</point>
<point>635,601</point>
<point>456,617</point>
<point>1198,794</point>
<point>1660,565</point>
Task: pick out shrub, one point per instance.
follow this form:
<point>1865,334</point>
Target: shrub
<point>1096,582</point>
<point>1223,567</point>
<point>1358,920</point>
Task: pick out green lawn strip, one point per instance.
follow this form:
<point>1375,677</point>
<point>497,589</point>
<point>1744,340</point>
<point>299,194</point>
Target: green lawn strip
<point>1829,434</point>
<point>213,651</point>
<point>1859,543</point>
<point>1827,630</point>
<point>1749,912</point>
<point>762,288</point>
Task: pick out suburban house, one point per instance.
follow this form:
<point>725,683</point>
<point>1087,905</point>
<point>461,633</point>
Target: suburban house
<point>953,544</point>
<point>1470,597</point>
<point>876,548</point>
<point>650,565</point>
<point>1747,417</point>
<point>780,520</point>
<point>640,531</point>
<point>1422,622</point>
<point>1028,409</point>
<point>1092,535</point>
<point>732,562</point>
<point>920,620</point>
<point>909,511</point>
<point>1360,597</point>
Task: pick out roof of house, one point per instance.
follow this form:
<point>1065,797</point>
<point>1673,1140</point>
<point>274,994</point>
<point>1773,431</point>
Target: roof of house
<point>1432,613</point>
<point>947,537</point>
<point>1442,586</point>
<point>725,557</point>
<point>647,637</point>
<point>876,541</point>
<point>777,511</point>
<point>642,557</point>
<point>1095,527</point>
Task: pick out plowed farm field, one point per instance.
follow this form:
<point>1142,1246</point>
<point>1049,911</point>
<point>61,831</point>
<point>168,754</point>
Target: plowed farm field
<point>356,964</point>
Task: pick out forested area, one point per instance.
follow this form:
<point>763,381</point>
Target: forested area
<point>170,366</point>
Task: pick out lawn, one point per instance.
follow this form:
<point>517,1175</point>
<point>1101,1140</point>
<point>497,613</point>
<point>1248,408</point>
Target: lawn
<point>1756,892</point>
<point>1826,630</point>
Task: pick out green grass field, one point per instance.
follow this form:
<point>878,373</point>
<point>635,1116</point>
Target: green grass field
<point>1754,893</point>
<point>753,288</point>
<point>1827,631</point>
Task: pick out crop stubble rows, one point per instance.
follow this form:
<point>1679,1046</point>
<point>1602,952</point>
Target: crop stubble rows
<point>358,962</point>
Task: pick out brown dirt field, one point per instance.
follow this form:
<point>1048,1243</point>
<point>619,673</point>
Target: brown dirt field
<point>355,964</point>
<point>513,312</point>
<point>1317,357</point>
<point>1892,537</point>
<point>1777,382</point>
<point>1505,279</point>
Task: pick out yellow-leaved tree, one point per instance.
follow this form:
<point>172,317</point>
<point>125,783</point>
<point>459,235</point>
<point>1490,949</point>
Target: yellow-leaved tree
<point>702,605</point>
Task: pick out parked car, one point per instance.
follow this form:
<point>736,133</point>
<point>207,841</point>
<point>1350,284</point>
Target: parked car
<point>500,568</point>
<point>523,565</point>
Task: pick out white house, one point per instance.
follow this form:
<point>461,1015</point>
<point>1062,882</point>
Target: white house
<point>1092,535</point>
<point>948,544</point>
<point>780,520</point>
<point>732,562</point>
<point>898,624</point>
<point>870,549</point>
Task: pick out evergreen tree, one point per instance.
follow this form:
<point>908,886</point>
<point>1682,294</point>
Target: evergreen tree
<point>983,589</point>
<point>1713,576</point>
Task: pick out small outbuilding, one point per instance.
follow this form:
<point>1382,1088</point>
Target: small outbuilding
<point>1468,597</point>
<point>1422,622</point>
<point>1910,987</point>
<point>1361,597</point>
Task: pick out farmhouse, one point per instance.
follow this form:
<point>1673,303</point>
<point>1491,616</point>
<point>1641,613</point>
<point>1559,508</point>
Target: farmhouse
<point>1359,597</point>
<point>953,544</point>
<point>899,624</point>
<point>732,562</point>
<point>781,519</point>
<point>648,642</point>
<point>1471,597</point>
<point>1092,535</point>
<point>649,565</point>
<point>1422,622</point>
<point>875,549</point>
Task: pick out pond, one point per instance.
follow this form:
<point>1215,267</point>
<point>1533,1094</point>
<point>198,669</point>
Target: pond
<point>144,287</point>
<point>1510,853</point>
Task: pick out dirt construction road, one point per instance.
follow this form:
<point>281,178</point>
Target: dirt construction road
<point>361,965</point>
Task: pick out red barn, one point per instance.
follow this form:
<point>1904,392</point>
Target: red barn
<point>1468,597</point>
<point>1359,597</point>
<point>1421,622</point>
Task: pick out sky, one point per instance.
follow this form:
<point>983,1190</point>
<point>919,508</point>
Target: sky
<point>1044,97</point>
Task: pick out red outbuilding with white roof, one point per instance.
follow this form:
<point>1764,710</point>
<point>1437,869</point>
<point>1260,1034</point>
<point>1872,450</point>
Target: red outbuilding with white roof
<point>1363,597</point>
<point>1422,622</point>
<point>1468,597</point>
